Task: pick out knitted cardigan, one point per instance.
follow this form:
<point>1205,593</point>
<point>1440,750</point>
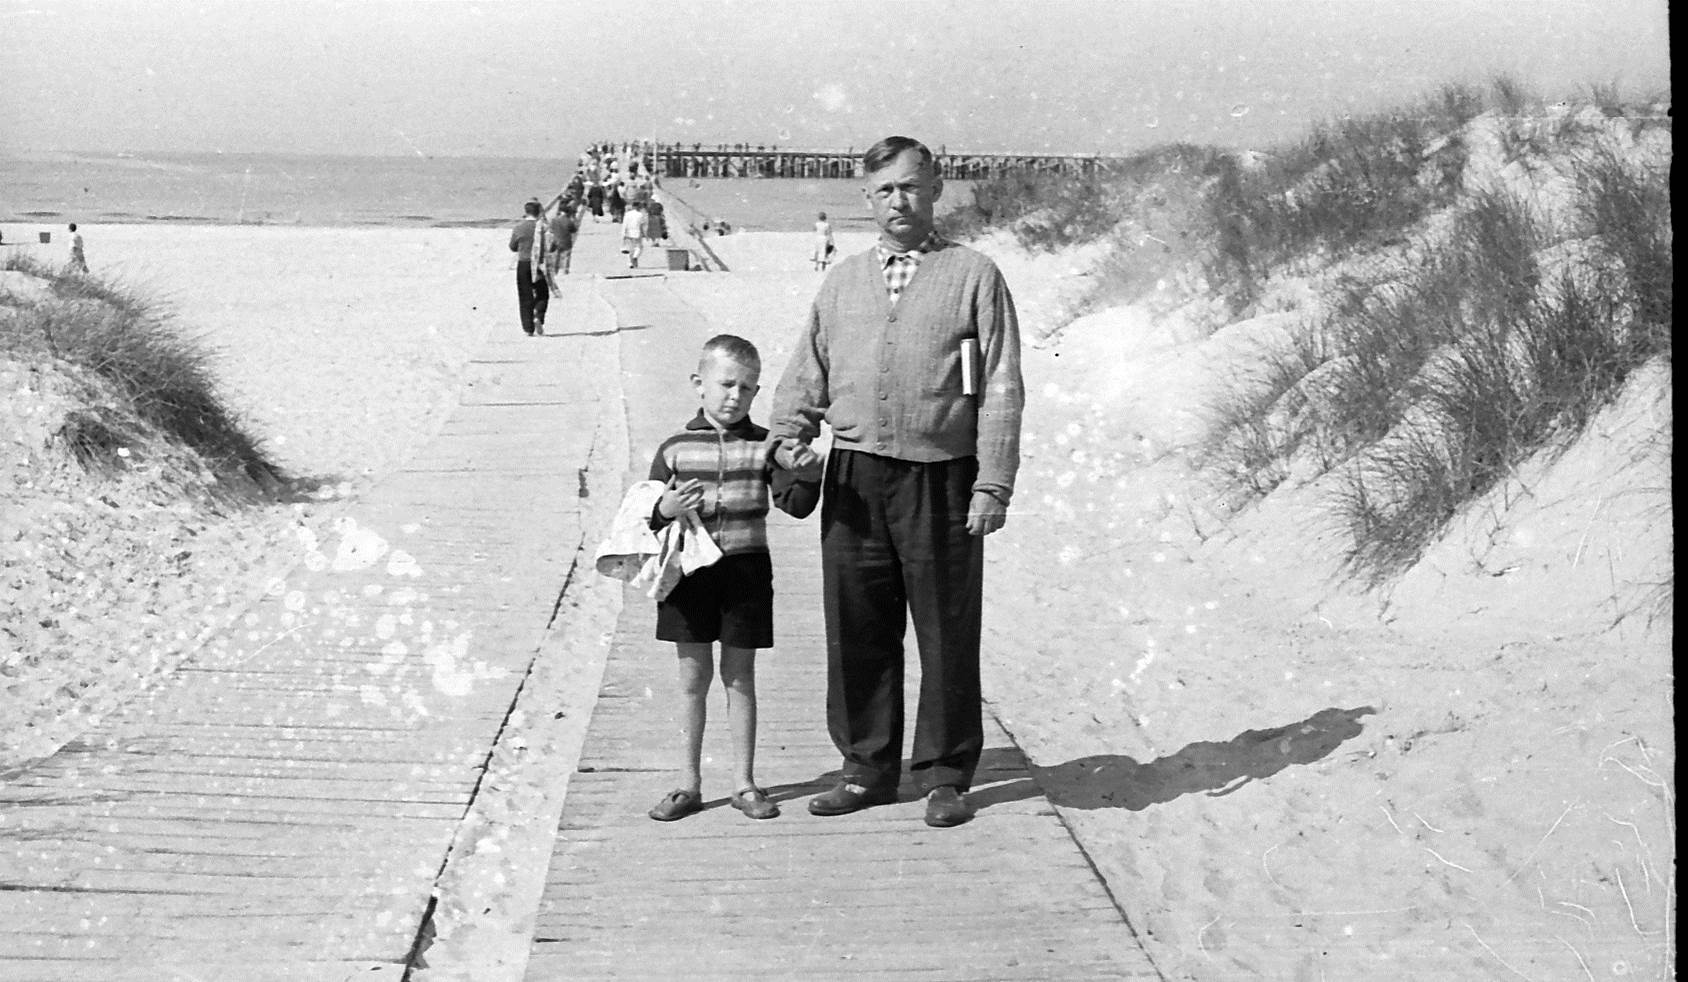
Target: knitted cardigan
<point>887,378</point>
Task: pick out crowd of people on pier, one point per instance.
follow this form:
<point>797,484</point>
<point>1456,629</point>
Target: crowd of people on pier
<point>611,181</point>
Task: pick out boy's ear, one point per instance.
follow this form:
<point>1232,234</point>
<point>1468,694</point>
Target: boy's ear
<point>697,379</point>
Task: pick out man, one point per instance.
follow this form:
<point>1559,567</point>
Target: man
<point>531,295</point>
<point>925,450</point>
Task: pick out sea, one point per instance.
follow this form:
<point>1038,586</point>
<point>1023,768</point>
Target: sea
<point>55,188</point>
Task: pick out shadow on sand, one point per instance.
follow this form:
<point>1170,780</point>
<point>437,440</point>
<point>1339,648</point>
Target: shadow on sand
<point>1118,781</point>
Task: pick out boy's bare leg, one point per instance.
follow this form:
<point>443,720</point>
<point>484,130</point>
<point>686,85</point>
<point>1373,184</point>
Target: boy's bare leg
<point>697,670</point>
<point>738,677</point>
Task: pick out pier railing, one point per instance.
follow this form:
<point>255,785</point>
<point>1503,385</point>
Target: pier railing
<point>673,160</point>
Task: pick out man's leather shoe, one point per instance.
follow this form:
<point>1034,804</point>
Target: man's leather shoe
<point>847,798</point>
<point>946,807</point>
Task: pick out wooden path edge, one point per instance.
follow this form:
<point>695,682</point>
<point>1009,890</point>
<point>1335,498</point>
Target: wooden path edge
<point>503,846</point>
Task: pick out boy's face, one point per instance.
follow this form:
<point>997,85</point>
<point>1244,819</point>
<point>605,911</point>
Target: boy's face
<point>725,387</point>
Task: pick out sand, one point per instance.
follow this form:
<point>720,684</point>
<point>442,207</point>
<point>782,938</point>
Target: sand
<point>1281,778</point>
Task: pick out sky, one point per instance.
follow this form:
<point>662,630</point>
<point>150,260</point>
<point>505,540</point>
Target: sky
<point>529,79</point>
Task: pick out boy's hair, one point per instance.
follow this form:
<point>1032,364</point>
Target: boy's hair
<point>731,346</point>
<point>533,207</point>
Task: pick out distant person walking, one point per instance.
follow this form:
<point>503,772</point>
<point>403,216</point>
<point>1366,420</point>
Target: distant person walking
<point>78,259</point>
<point>912,354</point>
<point>656,226</point>
<point>824,247</point>
<point>633,228</point>
<point>618,204</point>
<point>595,198</point>
<point>560,239</point>
<point>531,295</point>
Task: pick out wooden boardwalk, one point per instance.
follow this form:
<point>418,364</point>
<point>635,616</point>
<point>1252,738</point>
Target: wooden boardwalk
<point>282,805</point>
<point>877,894</point>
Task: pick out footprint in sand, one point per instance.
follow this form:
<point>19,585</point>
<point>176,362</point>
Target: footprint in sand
<point>1218,884</point>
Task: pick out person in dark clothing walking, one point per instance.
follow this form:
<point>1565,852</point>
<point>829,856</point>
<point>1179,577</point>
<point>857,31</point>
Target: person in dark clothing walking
<point>617,203</point>
<point>595,199</point>
<point>532,295</point>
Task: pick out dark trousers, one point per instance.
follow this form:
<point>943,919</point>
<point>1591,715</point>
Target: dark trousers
<point>894,542</point>
<point>532,297</point>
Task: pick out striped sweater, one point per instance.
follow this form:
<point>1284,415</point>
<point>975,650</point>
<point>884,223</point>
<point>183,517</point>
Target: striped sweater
<point>738,481</point>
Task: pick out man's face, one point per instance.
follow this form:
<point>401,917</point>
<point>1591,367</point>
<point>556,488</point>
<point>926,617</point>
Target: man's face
<point>725,387</point>
<point>901,195</point>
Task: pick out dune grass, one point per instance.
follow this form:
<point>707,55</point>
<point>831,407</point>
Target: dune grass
<point>1439,387</point>
<point>162,379</point>
<point>1045,210</point>
<point>1473,342</point>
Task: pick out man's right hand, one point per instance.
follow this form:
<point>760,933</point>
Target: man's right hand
<point>799,459</point>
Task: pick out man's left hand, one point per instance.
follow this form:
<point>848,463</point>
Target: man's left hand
<point>985,514</point>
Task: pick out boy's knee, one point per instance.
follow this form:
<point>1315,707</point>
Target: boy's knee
<point>738,667</point>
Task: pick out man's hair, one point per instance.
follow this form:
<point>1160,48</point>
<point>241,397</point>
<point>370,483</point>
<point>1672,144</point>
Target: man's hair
<point>882,153</point>
<point>73,226</point>
<point>731,346</point>
<point>533,207</point>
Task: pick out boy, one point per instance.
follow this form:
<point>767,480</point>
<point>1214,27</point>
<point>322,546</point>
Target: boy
<point>719,466</point>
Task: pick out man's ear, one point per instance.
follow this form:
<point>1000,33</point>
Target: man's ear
<point>937,186</point>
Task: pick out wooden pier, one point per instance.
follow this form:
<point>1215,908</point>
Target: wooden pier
<point>744,160</point>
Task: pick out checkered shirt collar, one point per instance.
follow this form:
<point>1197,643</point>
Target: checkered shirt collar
<point>888,256</point>
<point>899,267</point>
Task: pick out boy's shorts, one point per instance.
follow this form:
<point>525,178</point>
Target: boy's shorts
<point>731,601</point>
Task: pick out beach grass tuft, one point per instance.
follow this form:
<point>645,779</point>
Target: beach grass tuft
<point>156,383</point>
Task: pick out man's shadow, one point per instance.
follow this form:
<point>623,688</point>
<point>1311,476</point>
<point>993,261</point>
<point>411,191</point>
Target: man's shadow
<point>1118,781</point>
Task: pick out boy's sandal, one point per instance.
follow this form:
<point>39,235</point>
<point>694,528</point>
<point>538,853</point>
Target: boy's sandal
<point>678,804</point>
<point>753,801</point>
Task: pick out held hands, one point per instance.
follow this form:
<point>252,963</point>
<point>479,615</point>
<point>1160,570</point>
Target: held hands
<point>677,499</point>
<point>985,514</point>
<point>798,459</point>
